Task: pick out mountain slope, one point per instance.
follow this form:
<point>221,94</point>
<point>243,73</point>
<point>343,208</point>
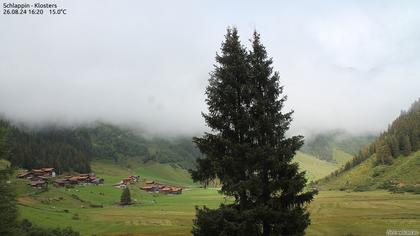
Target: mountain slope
<point>72,148</point>
<point>403,172</point>
<point>391,162</point>
<point>115,143</point>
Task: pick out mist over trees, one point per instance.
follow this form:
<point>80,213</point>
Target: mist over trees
<point>72,149</point>
<point>247,149</point>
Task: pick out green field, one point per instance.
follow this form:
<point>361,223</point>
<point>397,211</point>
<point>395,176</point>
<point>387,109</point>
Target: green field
<point>152,214</point>
<point>315,168</point>
<point>363,213</point>
<point>332,212</point>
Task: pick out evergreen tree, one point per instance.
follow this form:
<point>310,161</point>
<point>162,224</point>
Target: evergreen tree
<point>392,142</point>
<point>248,150</point>
<point>383,154</point>
<point>405,145</point>
<point>125,197</point>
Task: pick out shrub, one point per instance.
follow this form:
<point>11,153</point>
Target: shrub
<point>125,197</point>
<point>378,171</point>
<point>361,188</point>
<point>77,197</point>
<point>93,205</point>
<point>76,216</point>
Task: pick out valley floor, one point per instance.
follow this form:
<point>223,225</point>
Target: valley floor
<point>332,212</point>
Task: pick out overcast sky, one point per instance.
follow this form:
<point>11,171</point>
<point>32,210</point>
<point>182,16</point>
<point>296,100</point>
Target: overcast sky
<point>351,66</point>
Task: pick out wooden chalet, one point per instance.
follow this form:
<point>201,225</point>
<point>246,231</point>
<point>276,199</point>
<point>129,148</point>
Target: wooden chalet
<point>152,186</point>
<point>126,181</point>
<point>37,173</point>
<point>38,184</point>
<point>78,179</point>
<point>61,182</point>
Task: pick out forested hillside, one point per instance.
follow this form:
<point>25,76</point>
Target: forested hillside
<point>114,143</point>
<point>401,138</point>
<point>71,149</point>
<point>394,154</point>
<point>64,149</point>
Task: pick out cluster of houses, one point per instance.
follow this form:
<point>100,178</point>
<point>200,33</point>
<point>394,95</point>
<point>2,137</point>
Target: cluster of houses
<point>132,179</point>
<point>78,179</point>
<point>38,177</point>
<point>154,187</point>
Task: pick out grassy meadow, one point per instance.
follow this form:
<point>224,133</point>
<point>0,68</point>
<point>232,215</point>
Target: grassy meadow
<point>368,176</point>
<point>316,168</point>
<point>93,210</point>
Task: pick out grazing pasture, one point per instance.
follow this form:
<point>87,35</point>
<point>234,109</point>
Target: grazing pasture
<point>94,210</point>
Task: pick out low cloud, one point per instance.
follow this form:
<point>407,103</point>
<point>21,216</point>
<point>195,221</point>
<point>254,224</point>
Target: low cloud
<point>344,66</point>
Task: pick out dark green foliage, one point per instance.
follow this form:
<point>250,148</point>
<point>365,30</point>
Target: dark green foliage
<point>117,144</point>
<point>125,197</point>
<point>383,154</point>
<point>114,143</point>
<point>4,131</point>
<point>226,220</point>
<point>75,216</point>
<point>405,146</point>
<point>393,144</point>
<point>63,149</point>
<point>247,149</point>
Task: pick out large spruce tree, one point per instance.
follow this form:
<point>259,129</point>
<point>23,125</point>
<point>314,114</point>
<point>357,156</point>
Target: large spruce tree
<point>248,150</point>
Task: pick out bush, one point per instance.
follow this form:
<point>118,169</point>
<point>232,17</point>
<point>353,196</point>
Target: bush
<point>411,189</point>
<point>93,205</point>
<point>387,185</point>
<point>77,198</point>
<point>378,171</point>
<point>361,189</point>
<point>76,216</point>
